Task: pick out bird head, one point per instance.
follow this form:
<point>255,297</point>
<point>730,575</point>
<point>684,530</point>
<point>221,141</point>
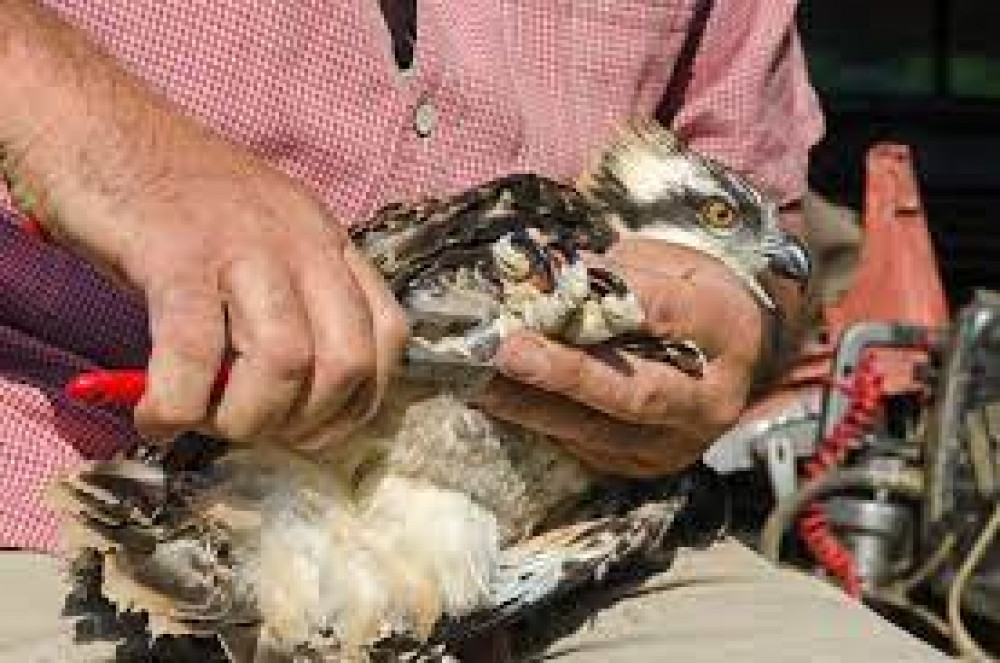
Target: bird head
<point>651,185</point>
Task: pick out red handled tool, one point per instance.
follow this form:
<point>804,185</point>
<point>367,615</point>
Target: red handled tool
<point>125,387</point>
<point>122,387</point>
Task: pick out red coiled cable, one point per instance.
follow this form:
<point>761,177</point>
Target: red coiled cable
<point>864,392</point>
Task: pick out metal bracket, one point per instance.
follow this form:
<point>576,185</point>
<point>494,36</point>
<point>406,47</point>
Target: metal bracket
<point>779,455</point>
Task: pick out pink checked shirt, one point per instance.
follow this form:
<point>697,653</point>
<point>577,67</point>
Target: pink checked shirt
<point>498,86</point>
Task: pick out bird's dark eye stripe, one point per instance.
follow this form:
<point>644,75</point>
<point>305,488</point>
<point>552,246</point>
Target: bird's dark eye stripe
<point>734,185</point>
<point>747,198</point>
<point>736,189</point>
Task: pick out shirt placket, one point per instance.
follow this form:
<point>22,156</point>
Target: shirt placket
<point>419,113</point>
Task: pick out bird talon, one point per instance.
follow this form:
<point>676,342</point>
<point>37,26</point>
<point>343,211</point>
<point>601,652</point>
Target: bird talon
<point>684,355</point>
<point>605,282</point>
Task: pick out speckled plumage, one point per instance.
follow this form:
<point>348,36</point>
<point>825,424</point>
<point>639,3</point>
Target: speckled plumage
<point>422,515</point>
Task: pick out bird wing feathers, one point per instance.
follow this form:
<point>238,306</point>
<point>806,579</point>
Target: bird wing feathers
<point>426,516</point>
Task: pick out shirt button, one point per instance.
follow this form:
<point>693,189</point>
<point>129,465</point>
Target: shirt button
<point>425,119</point>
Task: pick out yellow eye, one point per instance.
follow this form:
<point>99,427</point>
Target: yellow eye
<point>718,215</point>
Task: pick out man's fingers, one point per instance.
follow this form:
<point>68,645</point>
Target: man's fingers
<point>671,283</point>
<point>272,342</point>
<point>635,416</point>
<point>345,368</point>
<point>389,319</point>
<point>390,331</point>
<point>600,441</point>
<point>188,338</point>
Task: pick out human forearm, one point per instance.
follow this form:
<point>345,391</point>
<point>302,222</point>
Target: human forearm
<point>55,82</point>
<point>236,260</point>
<point>74,125</point>
<point>29,41</point>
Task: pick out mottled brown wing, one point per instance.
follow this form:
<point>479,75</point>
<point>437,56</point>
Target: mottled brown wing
<point>404,240</point>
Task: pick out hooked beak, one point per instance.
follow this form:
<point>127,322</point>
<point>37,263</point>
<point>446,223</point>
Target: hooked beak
<point>789,257</point>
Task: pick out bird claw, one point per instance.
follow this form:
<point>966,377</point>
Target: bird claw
<point>684,355</point>
<point>605,282</point>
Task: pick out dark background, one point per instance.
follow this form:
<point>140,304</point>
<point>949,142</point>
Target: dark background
<point>926,73</point>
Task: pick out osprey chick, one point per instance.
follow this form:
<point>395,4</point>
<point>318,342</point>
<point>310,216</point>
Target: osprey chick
<point>404,524</point>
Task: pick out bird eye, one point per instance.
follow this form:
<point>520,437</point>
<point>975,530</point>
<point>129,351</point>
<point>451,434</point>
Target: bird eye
<point>718,215</point>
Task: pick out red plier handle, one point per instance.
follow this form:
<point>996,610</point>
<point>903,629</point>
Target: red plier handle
<point>122,387</point>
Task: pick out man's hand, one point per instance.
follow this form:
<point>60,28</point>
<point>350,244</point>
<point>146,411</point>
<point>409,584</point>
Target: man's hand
<point>233,258</point>
<point>623,415</point>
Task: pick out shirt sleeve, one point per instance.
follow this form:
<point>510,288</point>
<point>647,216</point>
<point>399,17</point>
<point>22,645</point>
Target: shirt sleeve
<point>749,102</point>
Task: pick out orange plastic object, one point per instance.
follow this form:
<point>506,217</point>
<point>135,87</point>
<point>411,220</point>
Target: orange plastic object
<point>897,281</point>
